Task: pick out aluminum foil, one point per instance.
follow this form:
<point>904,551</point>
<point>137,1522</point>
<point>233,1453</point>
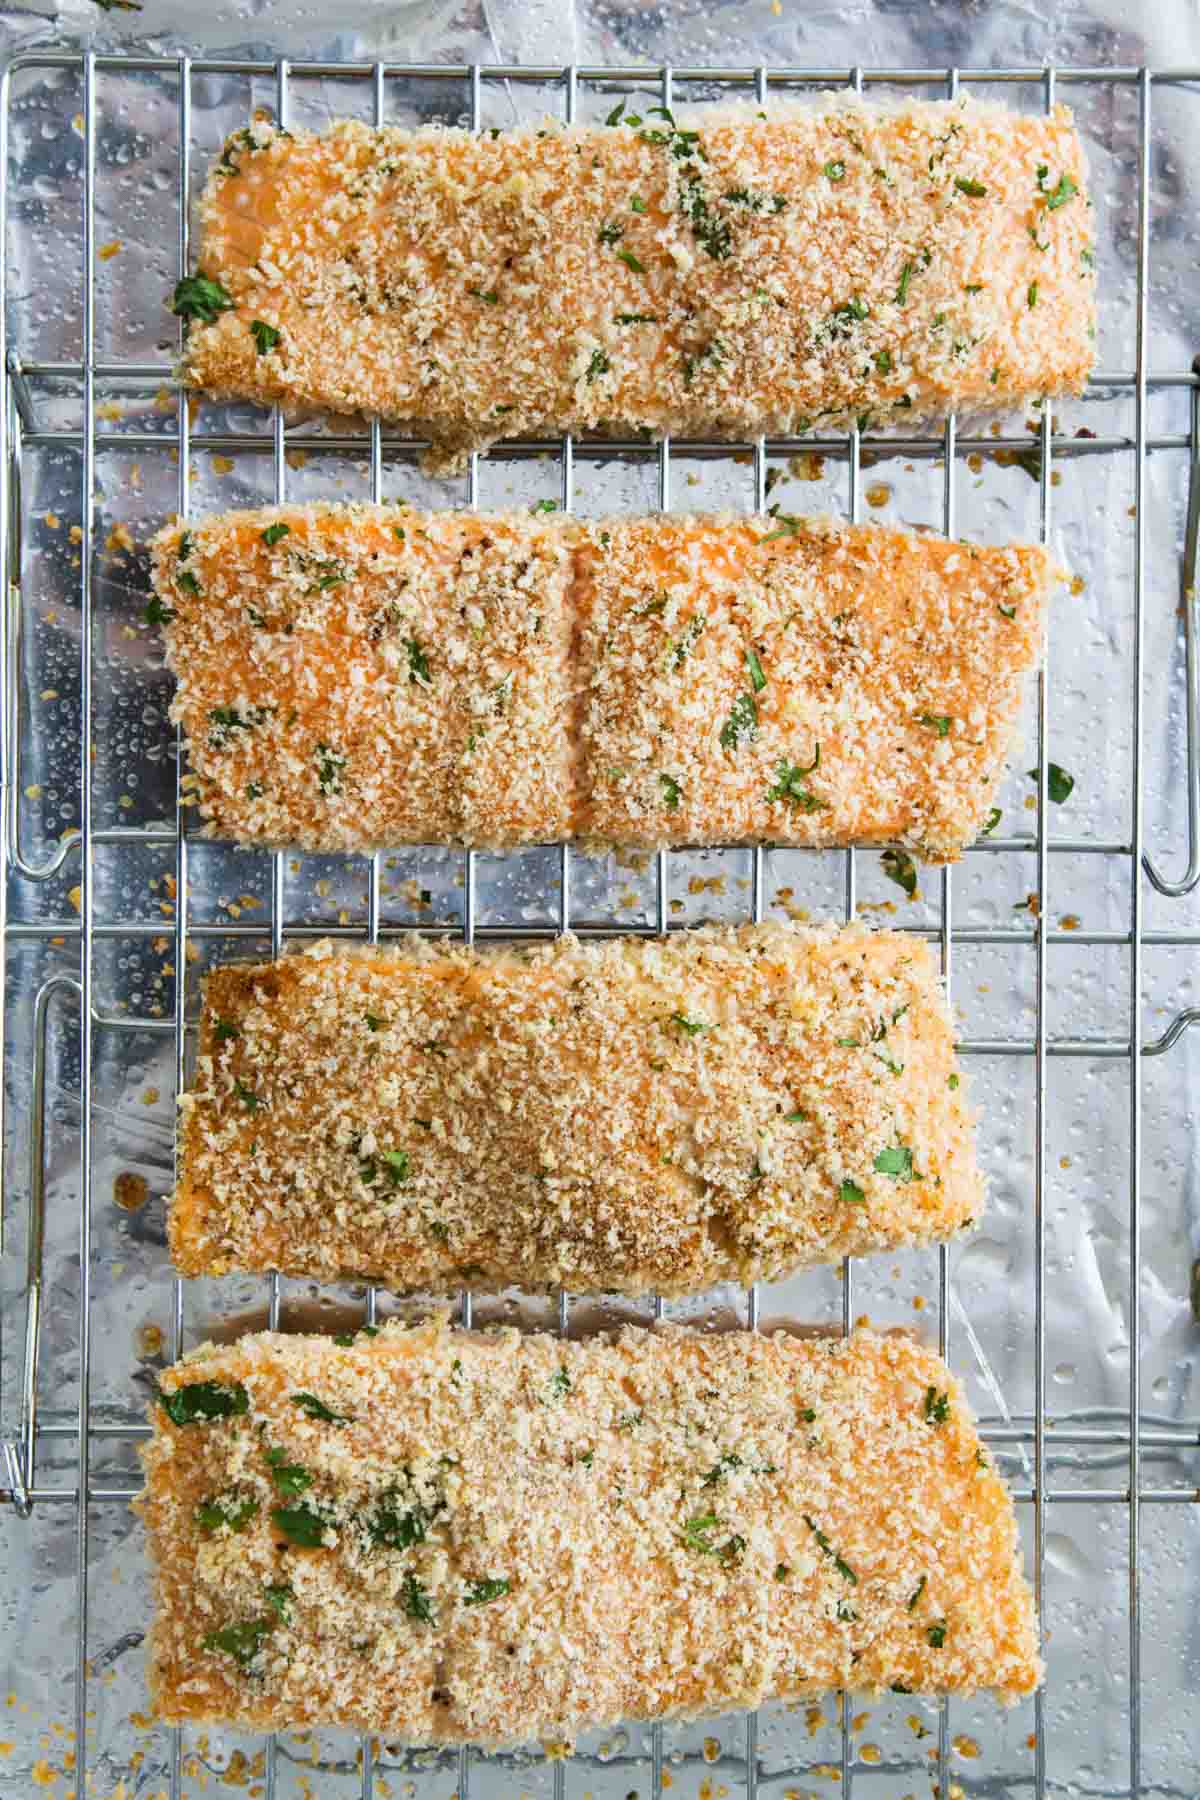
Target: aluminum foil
<point>1101,1564</point>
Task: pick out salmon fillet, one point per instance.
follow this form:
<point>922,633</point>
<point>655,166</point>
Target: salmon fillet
<point>725,274</point>
<point>351,677</point>
<point>447,1537</point>
<point>621,1116</point>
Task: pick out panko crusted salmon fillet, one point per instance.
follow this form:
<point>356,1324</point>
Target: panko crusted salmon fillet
<point>447,1537</point>
<point>630,1115</point>
<point>352,677</point>
<point>727,274</point>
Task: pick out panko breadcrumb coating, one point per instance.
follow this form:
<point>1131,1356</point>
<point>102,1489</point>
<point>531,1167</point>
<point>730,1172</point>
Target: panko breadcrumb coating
<point>446,1537</point>
<point>629,1115</point>
<point>720,273</point>
<point>355,677</point>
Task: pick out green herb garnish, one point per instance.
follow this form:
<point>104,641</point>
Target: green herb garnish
<point>834,171</point>
<point>272,535</point>
<point>482,1593</point>
<point>415,1600</point>
<point>843,1568</point>
<point>225,1514</point>
<point>418,662</point>
<point>198,297</point>
<point>631,261</point>
<point>896,1161</point>
<point>905,278</point>
<point>672,792</point>
<point>920,1589</point>
<point>317,1409</point>
<point>1031,294</point>
<point>611,233</point>
<point>223,1030</point>
<point>791,784</point>
<point>937,1634</point>
<point>1058,783</point>
<point>330,767</point>
<point>560,1381</point>
<point>635,319</point>
<point>1056,196</point>
<point>265,336</point>
<point>993,819</point>
<point>742,724</point>
<point>247,1096</point>
<point>899,867</point>
<point>599,365</point>
<point>938,723</point>
<point>290,1478</point>
<point>279,1598</point>
<point>544,506</point>
<point>975,189</point>
<point>693,1027</point>
<point>242,1641</point>
<point>850,1194</point>
<point>937,1407</point>
<point>156,613</point>
<point>758,680</point>
<point>301,1525</point>
<point>397,1164</point>
<point>489,296</point>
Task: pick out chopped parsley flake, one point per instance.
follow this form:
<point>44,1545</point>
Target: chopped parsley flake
<point>843,1568</point>
<point>481,1593</point>
<point>1031,294</point>
<point>272,535</point>
<point>937,1634</point>
<point>693,1027</point>
<point>489,296</point>
<point>697,1535</point>
<point>223,1030</point>
<point>241,1641</point>
<point>1056,196</point>
<point>974,189</point>
<point>938,723</point>
<point>953,1082</point>
<point>330,768</point>
<point>1059,784</point>
<point>247,1096</point>
<point>418,663</point>
<point>225,1513</point>
<point>396,1162</point>
<point>993,819</point>
<point>265,336</point>
<point>202,1401</point>
<point>302,1525</point>
<point>937,1407</point>
<point>791,785</point>
<point>599,365</point>
<point>905,278</point>
<point>635,319</point>
<point>560,1381</point>
<point>185,579</point>
<point>896,1161</point>
<point>916,1595</point>
<point>758,680</point>
<point>415,1600</point>
<point>899,867</point>
<point>544,506</point>
<point>834,171</point>
<point>198,297</point>
<point>843,319</point>
<point>883,362</point>
<point>611,233</point>
<point>156,613</point>
<point>850,1194</point>
<point>636,203</point>
<point>1006,612</point>
<point>279,1598</point>
<point>742,724</point>
<point>672,792</point>
<point>631,261</point>
<point>317,1409</point>
<point>290,1478</point>
<point>687,640</point>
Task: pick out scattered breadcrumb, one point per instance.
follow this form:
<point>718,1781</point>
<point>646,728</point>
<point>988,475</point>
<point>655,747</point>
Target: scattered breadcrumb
<point>448,1537</point>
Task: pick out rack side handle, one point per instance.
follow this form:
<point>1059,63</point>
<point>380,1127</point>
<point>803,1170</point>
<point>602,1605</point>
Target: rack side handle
<point>19,1453</point>
<point>1175,890</point>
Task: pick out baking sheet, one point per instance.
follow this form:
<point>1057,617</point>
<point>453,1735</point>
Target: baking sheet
<point>991,1317</point>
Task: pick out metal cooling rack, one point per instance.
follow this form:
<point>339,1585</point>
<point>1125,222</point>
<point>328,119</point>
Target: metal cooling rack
<point>61,1016</point>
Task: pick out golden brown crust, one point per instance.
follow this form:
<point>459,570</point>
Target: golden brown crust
<point>352,677</point>
<point>722,274</point>
<point>632,1115</point>
<point>523,1535</point>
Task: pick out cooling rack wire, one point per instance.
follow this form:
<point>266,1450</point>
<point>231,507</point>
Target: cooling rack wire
<point>24,428</point>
